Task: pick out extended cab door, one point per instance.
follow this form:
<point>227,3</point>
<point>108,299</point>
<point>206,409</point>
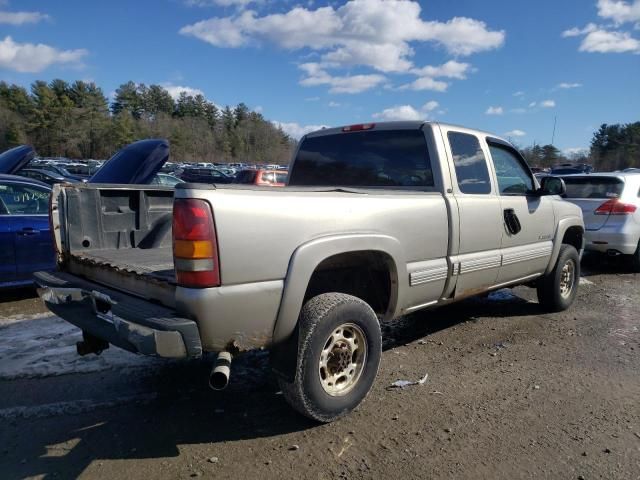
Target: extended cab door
<point>528,219</point>
<point>476,259</point>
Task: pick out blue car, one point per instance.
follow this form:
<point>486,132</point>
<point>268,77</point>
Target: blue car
<point>25,237</point>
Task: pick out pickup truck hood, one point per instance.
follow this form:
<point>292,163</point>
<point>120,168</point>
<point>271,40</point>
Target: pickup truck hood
<point>14,159</point>
<point>135,164</point>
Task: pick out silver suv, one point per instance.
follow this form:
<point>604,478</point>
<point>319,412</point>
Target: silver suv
<point>610,204</point>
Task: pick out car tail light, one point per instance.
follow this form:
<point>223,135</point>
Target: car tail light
<point>615,207</point>
<point>195,246</point>
<point>359,127</point>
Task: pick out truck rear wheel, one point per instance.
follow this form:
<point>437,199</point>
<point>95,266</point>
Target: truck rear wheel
<point>339,352</point>
<point>558,288</point>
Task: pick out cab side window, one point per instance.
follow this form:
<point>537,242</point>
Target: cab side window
<point>470,163</point>
<point>513,177</point>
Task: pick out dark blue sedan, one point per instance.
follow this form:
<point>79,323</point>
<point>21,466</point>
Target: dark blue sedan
<point>25,238</point>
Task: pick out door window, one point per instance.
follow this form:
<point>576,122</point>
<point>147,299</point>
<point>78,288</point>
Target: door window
<point>21,199</point>
<point>513,176</point>
<point>470,163</point>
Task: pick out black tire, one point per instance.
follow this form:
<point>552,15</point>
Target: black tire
<point>319,319</point>
<point>550,286</point>
<point>635,260</point>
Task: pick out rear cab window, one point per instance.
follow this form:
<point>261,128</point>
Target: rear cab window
<point>373,158</point>
<point>593,187</point>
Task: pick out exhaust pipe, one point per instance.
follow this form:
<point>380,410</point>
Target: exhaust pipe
<point>219,378</point>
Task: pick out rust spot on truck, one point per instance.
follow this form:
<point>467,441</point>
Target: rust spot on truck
<point>244,342</point>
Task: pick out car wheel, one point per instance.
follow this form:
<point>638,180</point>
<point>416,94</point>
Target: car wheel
<point>558,288</point>
<point>339,350</point>
<point>635,260</point>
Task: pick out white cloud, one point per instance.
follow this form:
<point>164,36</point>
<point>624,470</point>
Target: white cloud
<point>576,32</point>
<point>430,106</point>
<point>373,33</point>
<point>597,39</point>
<point>532,104</point>
<point>519,93</point>
<point>603,41</point>
<point>176,90</point>
<point>33,58</point>
<point>567,86</point>
<point>450,69</point>
<point>406,112</point>
<point>20,18</point>
<point>548,103</point>
<point>619,11</point>
<point>295,130</point>
<point>333,104</point>
<point>494,111</point>
<point>316,75</point>
<point>515,133</point>
<point>426,83</point>
<point>518,110</point>
<point>258,109</point>
<point>400,112</point>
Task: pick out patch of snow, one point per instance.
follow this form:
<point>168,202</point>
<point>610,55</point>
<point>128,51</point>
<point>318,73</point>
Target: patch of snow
<point>584,281</point>
<point>42,346</point>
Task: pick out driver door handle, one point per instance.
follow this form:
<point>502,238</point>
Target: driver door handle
<point>511,221</point>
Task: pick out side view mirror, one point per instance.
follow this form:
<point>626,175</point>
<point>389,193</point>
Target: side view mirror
<point>552,186</point>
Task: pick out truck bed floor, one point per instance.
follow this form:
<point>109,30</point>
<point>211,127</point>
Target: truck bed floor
<point>153,262</point>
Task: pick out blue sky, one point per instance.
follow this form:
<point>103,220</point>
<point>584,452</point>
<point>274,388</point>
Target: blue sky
<point>505,66</point>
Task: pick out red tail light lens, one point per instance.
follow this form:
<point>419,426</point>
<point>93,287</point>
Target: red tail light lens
<point>615,207</point>
<point>359,127</point>
<point>195,246</point>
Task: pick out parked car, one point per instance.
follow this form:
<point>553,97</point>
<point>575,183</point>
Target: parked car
<point>63,172</point>
<point>377,221</point>
<point>25,239</point>
<point>165,179</point>
<point>610,204</point>
<point>49,177</point>
<point>204,175</point>
<point>266,178</point>
<point>571,168</point>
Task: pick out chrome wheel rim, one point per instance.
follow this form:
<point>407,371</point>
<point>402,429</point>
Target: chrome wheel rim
<point>342,359</point>
<point>567,278</point>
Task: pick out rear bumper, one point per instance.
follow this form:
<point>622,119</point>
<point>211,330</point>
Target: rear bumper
<point>125,321</point>
<point>603,240</point>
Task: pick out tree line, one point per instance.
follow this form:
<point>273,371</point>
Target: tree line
<point>613,147</point>
<point>75,120</point>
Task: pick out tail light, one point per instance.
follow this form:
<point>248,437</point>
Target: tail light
<point>359,127</point>
<point>195,246</point>
<point>615,207</point>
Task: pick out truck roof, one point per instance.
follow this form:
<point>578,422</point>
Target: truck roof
<point>403,125</point>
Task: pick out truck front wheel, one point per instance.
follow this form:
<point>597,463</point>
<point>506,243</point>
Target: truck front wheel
<point>558,288</point>
<point>339,352</point>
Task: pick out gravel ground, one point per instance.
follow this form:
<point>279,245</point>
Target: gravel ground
<point>511,393</point>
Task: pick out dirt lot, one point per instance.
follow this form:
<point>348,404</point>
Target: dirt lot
<point>511,393</point>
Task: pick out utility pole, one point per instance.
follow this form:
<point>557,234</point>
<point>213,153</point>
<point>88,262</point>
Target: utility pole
<point>553,135</point>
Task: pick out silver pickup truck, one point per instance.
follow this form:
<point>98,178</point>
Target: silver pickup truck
<point>377,221</point>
